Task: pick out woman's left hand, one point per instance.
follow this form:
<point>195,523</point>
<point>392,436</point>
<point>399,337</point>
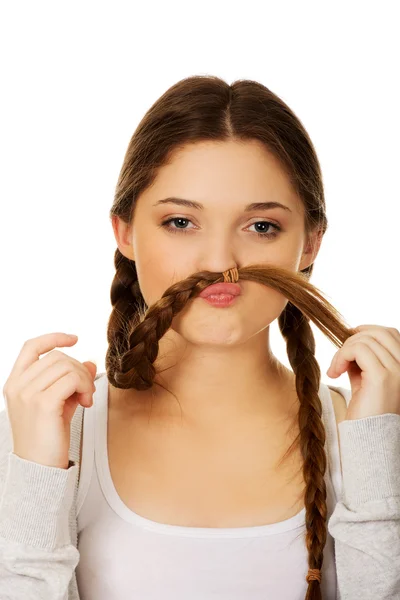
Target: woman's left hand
<point>372,361</point>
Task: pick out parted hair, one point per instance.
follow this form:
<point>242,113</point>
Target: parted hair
<point>206,108</point>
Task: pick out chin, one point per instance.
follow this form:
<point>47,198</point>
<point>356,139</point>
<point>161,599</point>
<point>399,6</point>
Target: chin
<point>216,331</point>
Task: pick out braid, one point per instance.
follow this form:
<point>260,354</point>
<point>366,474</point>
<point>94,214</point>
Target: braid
<point>125,314</point>
<point>133,346</point>
<point>300,343</point>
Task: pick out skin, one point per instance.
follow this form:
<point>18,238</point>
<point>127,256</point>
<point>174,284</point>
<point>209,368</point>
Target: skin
<point>219,361</point>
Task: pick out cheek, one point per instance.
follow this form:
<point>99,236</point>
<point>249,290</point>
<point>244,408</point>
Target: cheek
<point>155,274</point>
<point>263,305</point>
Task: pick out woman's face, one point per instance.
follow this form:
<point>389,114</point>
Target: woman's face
<point>224,178</point>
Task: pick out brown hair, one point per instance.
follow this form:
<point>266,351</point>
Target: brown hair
<point>204,108</point>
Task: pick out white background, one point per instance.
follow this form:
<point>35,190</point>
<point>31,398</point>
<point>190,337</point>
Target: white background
<point>77,78</point>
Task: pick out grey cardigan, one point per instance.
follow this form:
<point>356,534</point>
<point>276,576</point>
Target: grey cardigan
<point>38,523</point>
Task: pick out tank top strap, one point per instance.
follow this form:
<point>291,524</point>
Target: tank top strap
<point>90,417</point>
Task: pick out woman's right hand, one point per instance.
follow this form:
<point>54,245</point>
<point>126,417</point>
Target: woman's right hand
<point>42,395</point>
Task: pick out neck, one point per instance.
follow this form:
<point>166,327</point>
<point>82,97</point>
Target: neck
<point>218,385</point>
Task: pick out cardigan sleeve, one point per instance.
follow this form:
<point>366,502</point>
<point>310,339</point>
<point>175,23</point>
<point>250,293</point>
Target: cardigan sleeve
<point>37,558</point>
<point>365,523</point>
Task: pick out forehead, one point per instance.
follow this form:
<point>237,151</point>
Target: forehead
<point>232,172</point>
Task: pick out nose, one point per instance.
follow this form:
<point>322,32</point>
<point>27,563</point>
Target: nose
<point>219,258</point>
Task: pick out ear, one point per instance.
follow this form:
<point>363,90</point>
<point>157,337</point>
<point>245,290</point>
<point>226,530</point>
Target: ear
<point>123,237</point>
<point>311,249</point>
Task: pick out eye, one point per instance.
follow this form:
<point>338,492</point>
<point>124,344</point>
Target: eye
<point>266,234</point>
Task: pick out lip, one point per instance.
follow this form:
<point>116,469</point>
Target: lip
<point>232,289</point>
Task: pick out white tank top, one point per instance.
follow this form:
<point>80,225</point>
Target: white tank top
<point>124,556</point>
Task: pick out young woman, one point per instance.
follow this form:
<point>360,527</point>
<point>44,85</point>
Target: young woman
<point>177,482</point>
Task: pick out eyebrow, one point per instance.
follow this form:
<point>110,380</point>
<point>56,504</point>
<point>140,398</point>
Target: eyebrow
<point>197,205</point>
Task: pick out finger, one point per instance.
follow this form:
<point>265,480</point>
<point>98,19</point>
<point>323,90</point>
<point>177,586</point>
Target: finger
<point>368,357</point>
<point>45,385</point>
<point>395,333</point>
<point>384,337</point>
<point>35,347</point>
<point>46,362</point>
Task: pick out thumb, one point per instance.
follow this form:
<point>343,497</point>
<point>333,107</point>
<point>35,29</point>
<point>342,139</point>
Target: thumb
<point>91,367</point>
